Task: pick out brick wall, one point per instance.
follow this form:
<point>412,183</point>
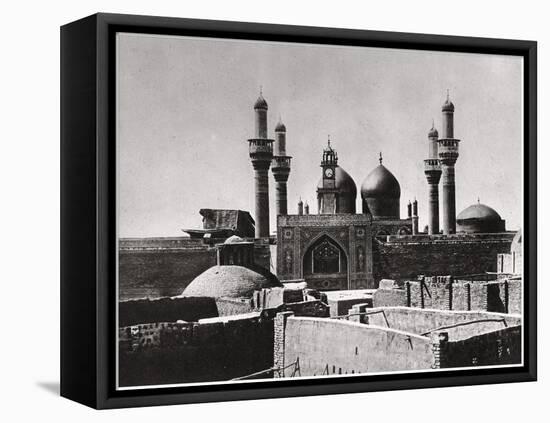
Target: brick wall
<point>445,293</point>
<point>167,352</point>
<point>164,270</point>
<point>406,259</point>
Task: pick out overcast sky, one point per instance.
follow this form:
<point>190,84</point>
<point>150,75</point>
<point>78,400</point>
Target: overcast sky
<point>185,111</point>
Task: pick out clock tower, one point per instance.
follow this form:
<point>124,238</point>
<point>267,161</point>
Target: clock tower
<point>326,192</point>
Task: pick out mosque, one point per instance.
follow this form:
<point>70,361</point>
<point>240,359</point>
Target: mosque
<point>340,248</point>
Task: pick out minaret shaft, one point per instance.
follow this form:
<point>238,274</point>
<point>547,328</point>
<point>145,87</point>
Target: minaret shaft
<point>261,188</point>
<point>433,208</point>
<point>448,199</point>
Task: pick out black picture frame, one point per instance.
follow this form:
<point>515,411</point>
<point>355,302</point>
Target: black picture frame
<point>88,210</point>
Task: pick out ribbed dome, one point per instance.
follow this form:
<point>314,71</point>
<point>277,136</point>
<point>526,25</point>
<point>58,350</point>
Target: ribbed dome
<point>479,212</point>
<point>380,183</point>
<point>228,281</point>
<point>343,182</point>
<point>260,103</point>
<point>280,127</point>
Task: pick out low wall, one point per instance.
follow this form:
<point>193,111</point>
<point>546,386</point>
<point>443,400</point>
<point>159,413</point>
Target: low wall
<point>331,346</point>
<point>422,321</point>
<point>216,349</point>
<point>166,310</point>
<point>493,348</point>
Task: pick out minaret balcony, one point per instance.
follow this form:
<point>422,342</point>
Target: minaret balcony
<point>448,150</point>
<point>432,165</point>
<point>260,148</point>
<point>280,163</point>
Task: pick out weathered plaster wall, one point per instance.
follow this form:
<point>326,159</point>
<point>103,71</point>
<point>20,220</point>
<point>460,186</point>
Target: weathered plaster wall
<point>342,347</point>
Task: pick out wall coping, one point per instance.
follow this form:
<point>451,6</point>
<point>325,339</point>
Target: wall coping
<point>360,325</point>
<point>425,310</point>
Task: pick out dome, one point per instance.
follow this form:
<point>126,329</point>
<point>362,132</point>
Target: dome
<point>280,127</point>
<point>433,133</point>
<point>260,103</point>
<point>380,183</point>
<point>448,106</point>
<point>343,182</point>
<point>479,212</point>
<point>229,281</point>
<point>234,239</point>
<point>479,218</point>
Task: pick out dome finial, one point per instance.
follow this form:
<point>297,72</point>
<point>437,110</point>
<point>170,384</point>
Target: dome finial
<point>328,141</point>
<point>380,158</point>
<point>477,200</point>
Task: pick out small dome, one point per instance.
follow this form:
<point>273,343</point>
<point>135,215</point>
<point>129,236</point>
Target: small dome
<point>228,281</point>
<point>343,182</point>
<point>280,127</point>
<point>479,218</point>
<point>260,103</point>
<point>479,212</point>
<point>234,239</point>
<point>433,133</point>
<point>380,183</point>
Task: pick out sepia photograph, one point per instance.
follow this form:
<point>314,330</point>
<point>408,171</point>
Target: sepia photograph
<point>291,210</point>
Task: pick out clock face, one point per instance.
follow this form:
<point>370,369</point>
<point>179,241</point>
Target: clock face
<point>329,172</point>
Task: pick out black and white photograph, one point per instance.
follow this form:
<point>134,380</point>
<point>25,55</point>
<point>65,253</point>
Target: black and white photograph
<point>296,210</point>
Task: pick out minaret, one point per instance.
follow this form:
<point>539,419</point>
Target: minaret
<point>261,153</point>
<point>432,170</point>
<point>306,208</point>
<point>300,207</point>
<point>327,192</point>
<point>415,217</point>
<point>448,153</point>
<point>281,168</point>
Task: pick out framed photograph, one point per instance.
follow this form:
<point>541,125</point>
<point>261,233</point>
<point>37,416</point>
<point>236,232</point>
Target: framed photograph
<point>256,211</point>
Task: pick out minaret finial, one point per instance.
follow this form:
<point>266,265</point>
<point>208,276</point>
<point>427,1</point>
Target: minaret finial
<point>447,94</point>
<point>328,142</point>
<point>261,89</point>
<point>380,158</point>
<point>433,123</point>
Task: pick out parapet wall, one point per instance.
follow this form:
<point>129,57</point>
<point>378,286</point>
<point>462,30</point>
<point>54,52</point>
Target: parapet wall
<point>166,310</point>
<point>458,324</point>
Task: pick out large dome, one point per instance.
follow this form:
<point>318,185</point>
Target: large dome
<point>342,182</point>
<point>380,183</point>
<point>381,193</point>
<point>479,218</point>
<point>229,281</point>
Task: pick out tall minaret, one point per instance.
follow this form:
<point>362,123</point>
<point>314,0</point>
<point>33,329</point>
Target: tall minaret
<point>261,153</point>
<point>432,170</point>
<point>281,168</point>
<point>448,153</point>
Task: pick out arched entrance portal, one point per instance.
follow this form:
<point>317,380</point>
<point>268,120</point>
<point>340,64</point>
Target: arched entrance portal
<point>325,265</point>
